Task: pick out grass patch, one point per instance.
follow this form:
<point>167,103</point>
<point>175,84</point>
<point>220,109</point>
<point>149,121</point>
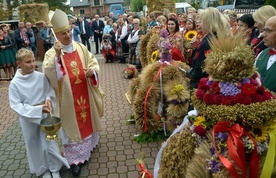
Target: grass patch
<point>151,137</point>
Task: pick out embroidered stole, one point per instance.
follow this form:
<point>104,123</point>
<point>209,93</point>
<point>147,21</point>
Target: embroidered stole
<point>79,88</point>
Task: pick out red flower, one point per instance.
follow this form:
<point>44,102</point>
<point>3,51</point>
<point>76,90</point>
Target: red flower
<point>199,130</point>
<point>254,82</point>
<point>215,87</point>
<point>257,98</point>
<point>248,89</point>
<point>200,94</point>
<point>217,99</point>
<point>208,98</point>
<point>260,90</point>
<point>203,80</point>
<point>246,100</point>
<point>239,98</point>
<point>267,95</point>
<point>228,100</point>
<point>203,87</point>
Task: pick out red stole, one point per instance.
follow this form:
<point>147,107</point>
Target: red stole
<point>75,72</point>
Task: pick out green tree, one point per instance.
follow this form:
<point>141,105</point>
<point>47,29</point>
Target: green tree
<point>271,2</point>
<point>127,2</point>
<point>137,5</point>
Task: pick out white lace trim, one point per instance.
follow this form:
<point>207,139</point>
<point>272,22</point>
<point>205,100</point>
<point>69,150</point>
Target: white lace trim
<point>79,152</point>
<point>58,70</point>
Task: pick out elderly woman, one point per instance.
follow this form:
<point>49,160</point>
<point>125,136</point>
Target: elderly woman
<point>121,40</point>
<point>132,41</point>
<point>260,17</point>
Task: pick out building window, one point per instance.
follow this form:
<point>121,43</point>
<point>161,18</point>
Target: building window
<point>98,11</point>
<point>96,2</point>
<point>82,11</point>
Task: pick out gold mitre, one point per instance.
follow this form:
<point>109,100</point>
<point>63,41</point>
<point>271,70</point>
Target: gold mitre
<point>59,21</point>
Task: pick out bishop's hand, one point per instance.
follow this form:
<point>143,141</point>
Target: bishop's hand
<point>58,48</point>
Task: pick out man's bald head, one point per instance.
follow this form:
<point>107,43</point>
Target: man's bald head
<point>269,32</point>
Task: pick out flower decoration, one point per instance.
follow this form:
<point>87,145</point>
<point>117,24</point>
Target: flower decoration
<point>190,35</point>
<point>245,91</point>
<point>130,71</point>
<point>176,89</point>
<point>154,56</point>
<point>200,124</point>
<point>164,46</point>
<point>260,133</point>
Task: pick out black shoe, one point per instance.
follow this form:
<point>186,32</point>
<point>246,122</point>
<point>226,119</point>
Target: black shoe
<point>76,170</point>
<point>96,53</point>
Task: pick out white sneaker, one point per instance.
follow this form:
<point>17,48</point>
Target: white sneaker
<point>56,175</point>
<point>46,174</point>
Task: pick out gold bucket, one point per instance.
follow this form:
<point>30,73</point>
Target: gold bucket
<point>50,125</point>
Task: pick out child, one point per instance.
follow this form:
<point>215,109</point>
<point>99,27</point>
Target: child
<point>32,97</point>
<point>107,50</point>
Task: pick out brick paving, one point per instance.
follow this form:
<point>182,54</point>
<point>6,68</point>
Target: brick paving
<point>115,155</point>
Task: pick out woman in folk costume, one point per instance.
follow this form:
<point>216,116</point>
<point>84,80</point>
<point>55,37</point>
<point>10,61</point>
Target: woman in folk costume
<point>107,50</point>
<point>73,73</point>
<point>176,40</point>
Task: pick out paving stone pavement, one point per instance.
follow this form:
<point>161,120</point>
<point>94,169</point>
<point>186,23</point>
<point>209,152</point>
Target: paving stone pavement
<point>115,155</point>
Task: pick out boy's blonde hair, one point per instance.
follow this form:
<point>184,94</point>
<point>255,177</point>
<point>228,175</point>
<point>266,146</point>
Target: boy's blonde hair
<point>23,53</point>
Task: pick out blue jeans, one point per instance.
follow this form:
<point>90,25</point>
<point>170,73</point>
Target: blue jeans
<point>33,47</point>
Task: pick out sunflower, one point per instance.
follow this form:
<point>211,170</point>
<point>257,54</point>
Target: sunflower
<point>154,56</point>
<point>260,133</point>
<point>190,35</point>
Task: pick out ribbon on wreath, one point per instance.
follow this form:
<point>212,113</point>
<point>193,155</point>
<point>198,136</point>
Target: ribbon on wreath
<point>144,172</point>
<point>145,124</point>
<point>236,149</point>
<point>270,156</point>
<point>146,99</point>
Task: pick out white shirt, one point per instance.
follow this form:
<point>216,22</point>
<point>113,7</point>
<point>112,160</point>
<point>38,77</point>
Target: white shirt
<point>271,61</point>
<point>83,27</point>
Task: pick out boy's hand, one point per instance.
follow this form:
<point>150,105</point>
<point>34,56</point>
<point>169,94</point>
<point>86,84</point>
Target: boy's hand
<point>48,103</point>
<point>45,108</point>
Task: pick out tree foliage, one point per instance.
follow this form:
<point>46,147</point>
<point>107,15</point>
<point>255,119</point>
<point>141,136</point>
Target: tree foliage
<point>137,5</point>
<point>271,2</point>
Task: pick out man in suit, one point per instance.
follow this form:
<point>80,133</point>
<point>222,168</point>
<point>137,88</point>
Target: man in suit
<point>265,62</point>
<point>22,36</point>
<point>33,39</point>
<point>85,32</point>
<point>97,28</point>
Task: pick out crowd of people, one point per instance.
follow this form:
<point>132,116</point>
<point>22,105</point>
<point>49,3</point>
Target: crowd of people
<point>69,65</point>
<point>25,36</point>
